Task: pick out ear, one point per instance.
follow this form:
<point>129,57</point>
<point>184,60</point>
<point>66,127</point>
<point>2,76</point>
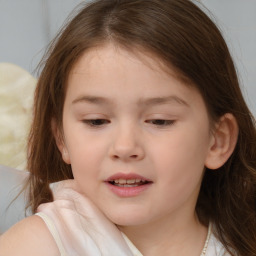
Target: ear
<point>223,141</point>
<point>59,139</point>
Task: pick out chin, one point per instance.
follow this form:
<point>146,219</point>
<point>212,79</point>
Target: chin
<point>127,218</point>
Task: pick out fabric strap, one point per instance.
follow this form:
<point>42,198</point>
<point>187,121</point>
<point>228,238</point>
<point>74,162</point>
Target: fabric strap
<point>51,226</point>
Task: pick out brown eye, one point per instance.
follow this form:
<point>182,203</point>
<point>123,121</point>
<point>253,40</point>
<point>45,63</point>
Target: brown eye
<point>96,122</point>
<point>161,122</point>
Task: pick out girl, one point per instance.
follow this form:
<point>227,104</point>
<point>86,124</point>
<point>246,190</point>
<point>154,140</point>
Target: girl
<point>139,108</point>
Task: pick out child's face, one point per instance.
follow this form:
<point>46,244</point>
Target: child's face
<point>149,126</point>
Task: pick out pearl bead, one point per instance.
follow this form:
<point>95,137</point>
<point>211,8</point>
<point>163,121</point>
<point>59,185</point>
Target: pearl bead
<point>207,240</point>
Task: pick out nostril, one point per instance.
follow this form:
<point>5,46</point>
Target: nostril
<point>128,157</point>
<point>132,156</point>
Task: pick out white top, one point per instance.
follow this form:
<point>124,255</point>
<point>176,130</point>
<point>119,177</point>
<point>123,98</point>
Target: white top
<point>214,247</point>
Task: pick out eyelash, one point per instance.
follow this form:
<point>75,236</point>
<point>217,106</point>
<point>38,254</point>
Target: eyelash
<point>101,122</point>
<point>166,122</point>
<point>91,122</point>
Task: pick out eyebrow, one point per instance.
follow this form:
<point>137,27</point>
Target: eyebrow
<point>92,99</point>
<point>163,100</point>
<point>142,102</point>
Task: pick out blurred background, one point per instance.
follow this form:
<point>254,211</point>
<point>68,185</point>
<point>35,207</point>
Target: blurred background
<point>27,26</point>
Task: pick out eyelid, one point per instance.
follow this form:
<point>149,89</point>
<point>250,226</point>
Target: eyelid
<point>92,116</point>
<point>167,122</point>
<point>90,121</point>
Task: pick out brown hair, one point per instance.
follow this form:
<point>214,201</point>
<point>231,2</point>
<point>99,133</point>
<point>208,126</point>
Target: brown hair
<point>181,35</point>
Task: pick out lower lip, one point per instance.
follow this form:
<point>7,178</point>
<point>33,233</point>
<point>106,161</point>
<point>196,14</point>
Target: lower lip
<point>128,191</point>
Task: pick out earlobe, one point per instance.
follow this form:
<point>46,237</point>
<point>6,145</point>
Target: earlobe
<point>60,142</point>
<point>223,141</point>
<point>65,155</point>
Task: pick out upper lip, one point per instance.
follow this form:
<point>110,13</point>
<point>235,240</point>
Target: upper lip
<point>126,176</point>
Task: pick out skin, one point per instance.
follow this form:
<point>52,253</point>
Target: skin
<point>25,238</point>
<point>169,142</point>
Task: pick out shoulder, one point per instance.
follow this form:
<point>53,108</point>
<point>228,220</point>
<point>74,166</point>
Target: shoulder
<point>28,237</point>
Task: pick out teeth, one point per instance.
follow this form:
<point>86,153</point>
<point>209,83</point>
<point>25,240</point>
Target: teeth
<point>128,182</point>
<point>122,181</point>
<point>127,185</point>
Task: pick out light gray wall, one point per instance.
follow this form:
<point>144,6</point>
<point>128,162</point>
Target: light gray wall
<point>26,27</point>
<point>237,21</point>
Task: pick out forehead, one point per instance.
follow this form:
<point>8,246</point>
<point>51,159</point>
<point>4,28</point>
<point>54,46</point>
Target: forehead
<point>113,71</point>
<point>106,53</point>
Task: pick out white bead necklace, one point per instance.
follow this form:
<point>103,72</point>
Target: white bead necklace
<point>136,252</point>
<point>207,240</point>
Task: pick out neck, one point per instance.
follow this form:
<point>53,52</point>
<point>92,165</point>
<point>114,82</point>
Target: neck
<point>168,237</point>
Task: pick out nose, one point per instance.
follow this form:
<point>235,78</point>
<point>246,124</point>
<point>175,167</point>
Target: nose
<point>126,145</point>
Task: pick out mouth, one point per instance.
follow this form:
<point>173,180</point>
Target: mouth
<point>128,183</point>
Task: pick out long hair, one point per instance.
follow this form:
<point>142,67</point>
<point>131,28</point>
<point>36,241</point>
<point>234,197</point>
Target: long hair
<point>183,37</point>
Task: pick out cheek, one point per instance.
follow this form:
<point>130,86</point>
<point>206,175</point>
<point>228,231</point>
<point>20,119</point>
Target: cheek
<point>85,164</point>
<point>80,143</point>
<point>180,160</point>
<point>86,155</point>
<point>181,148</point>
